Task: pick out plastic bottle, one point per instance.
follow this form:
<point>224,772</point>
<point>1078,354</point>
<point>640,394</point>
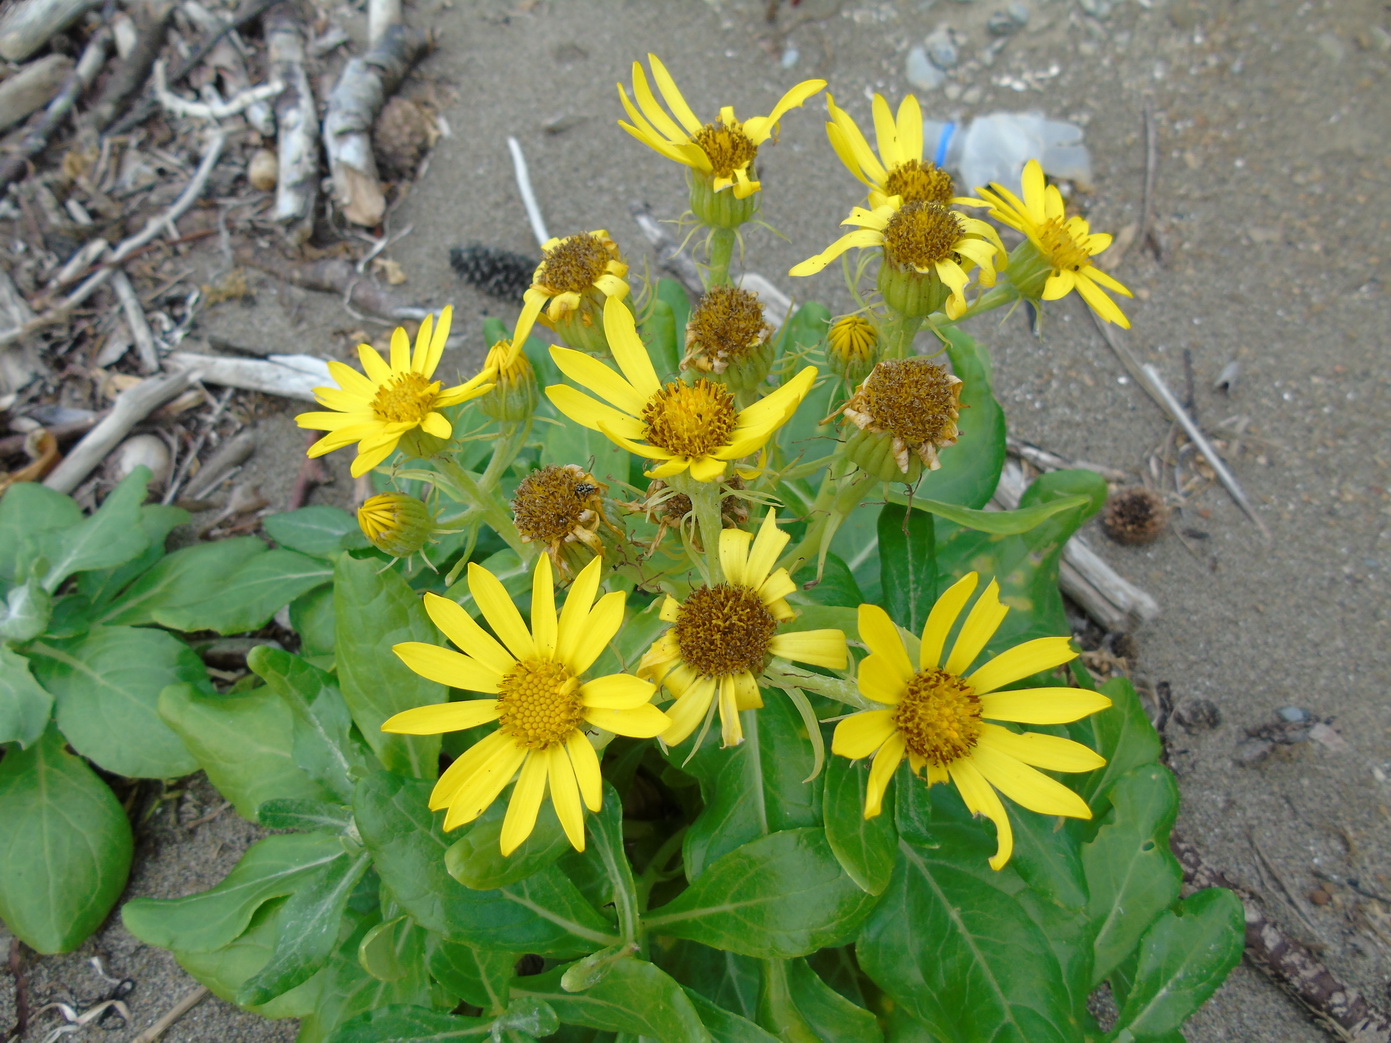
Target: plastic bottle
<point>996,147</point>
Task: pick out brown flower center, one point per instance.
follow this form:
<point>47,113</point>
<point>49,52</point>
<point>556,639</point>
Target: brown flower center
<point>917,181</point>
<point>726,326</point>
<point>690,419</point>
<point>539,704</point>
<point>727,147</point>
<point>556,501</point>
<point>939,717</point>
<point>1063,250</point>
<point>724,630</point>
<point>574,264</point>
<point>405,398</point>
<point>920,234</point>
<point>914,399</point>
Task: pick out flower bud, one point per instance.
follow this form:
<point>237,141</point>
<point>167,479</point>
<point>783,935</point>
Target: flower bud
<point>395,523</point>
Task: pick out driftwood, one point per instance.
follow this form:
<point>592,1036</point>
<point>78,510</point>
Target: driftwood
<point>19,363</point>
<point>1114,602</point>
<point>152,25</point>
<point>36,138</point>
<point>1343,1011</point>
<point>290,376</point>
<point>244,101</point>
<point>32,87</point>
<point>132,406</point>
<point>333,275</point>
<point>140,333</point>
<point>30,24</point>
<point>353,106</point>
<point>528,194</point>
<point>227,59</point>
<point>297,142</point>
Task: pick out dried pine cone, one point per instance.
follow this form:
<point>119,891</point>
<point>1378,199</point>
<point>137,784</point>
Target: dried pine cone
<point>1134,516</point>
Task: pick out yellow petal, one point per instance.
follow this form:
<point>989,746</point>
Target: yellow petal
<point>689,710</point>
<point>586,764</point>
<point>1100,303</point>
<point>447,667</point>
<point>1051,752</point>
<point>910,129</point>
<point>641,722</point>
<point>862,733</point>
<point>886,762</point>
<point>543,618</point>
<point>524,803</point>
<point>565,795</point>
<point>881,637</point>
<point>467,635</point>
<point>470,793</point>
<point>881,680</point>
<point>707,468</point>
<point>1042,705</point>
<point>435,424</point>
<point>497,608</point>
<point>533,300</point>
<point>941,620</point>
<point>1021,661</point>
<point>593,374</point>
<point>861,237</point>
<point>378,372</point>
<point>368,458</point>
<point>593,414</point>
<point>401,346</point>
<point>731,727</point>
<point>599,628</point>
<point>617,692</point>
<point>982,621</point>
<point>815,647</point>
<point>434,349</point>
<point>620,329</point>
<point>571,635</point>
<point>981,799</point>
<point>765,550</point>
<point>1028,787</point>
<point>747,695</point>
<point>671,94</point>
<point>443,717</point>
<point>734,548</point>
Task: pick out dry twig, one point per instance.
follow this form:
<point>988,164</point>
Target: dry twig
<point>179,1009</point>
<point>29,24</point>
<point>297,143</point>
<point>32,87</point>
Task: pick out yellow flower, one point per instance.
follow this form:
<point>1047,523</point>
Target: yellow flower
<point>542,706</point>
<point>513,397</point>
<point>395,523</point>
<point>575,276</point>
<point>928,251</point>
<point>722,151</point>
<point>393,401</point>
<point>1058,247</point>
<point>940,715</point>
<point>899,169</point>
<point>691,427</point>
<point>724,636</point>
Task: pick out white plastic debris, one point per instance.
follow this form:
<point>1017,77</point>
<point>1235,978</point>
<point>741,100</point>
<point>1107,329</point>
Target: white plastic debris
<point>996,147</point>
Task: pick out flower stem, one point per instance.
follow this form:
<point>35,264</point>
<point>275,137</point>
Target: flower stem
<point>721,250</point>
<point>898,335</point>
<point>841,689</point>
<point>492,510</point>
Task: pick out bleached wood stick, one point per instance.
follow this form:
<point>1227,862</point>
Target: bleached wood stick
<point>297,189</point>
<point>1113,601</point>
<point>132,406</point>
<point>353,106</point>
<point>529,204</point>
<point>228,61</point>
<point>209,110</point>
<point>140,331</point>
<point>381,16</point>
<point>32,87</point>
<point>290,376</point>
<point>30,24</point>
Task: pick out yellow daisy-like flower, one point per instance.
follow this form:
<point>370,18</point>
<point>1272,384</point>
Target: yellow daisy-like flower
<point>722,151</point>
<point>576,275</point>
<point>940,715</point>
<point>1058,247</point>
<point>899,168</point>
<point>395,400</point>
<point>693,427</point>
<point>539,700</point>
<point>929,250</point>
<point>723,636</point>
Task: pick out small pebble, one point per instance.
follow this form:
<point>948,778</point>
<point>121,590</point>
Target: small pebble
<point>790,56</point>
<point>1096,8</point>
<point>1197,715</point>
<point>263,170</point>
<point>920,73</point>
<point>142,450</point>
<point>941,48</point>
<point>1295,714</point>
<point>1319,896</point>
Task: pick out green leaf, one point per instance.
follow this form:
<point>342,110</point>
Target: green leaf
<point>634,997</point>
<point>476,859</point>
<point>389,950</point>
<point>27,511</point>
<point>271,868</point>
<point>543,914</point>
<point>309,926</point>
<point>242,740</point>
<point>865,848</point>
<point>107,686</point>
<point>319,531</point>
<point>1185,956</point>
<point>25,705</point>
<point>305,815</point>
<point>224,969</point>
<point>1131,874</point>
<point>311,617</point>
<point>971,468</point>
<point>728,980</point>
<point>475,975</point>
<point>951,944</point>
<point>752,789</point>
<point>838,586</point>
<point>674,295</point>
<point>663,340</point>
<point>782,895</point>
<point>180,579</point>
<point>27,611</point>
<point>64,850</point>
<point>907,565</point>
<point>245,600</point>
<point>726,1026</point>
<point>800,1007</point>
<point>100,586</point>
<point>404,1024</point>
<point>1129,740</point>
<point>373,611</point>
<point>322,741</point>
<point>109,537</point>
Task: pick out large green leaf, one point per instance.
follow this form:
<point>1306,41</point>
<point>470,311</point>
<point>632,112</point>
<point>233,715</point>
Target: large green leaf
<point>27,510</point>
<point>243,741</point>
<point>543,913</point>
<point>65,847</point>
<point>25,705</point>
<point>26,611</point>
<point>111,535</point>
<point>752,789</point>
<point>907,565</point>
<point>634,997</point>
<point>1185,956</point>
<point>778,896</point>
<point>477,976</point>
<point>476,859</point>
<point>319,531</point>
<point>1131,874</point>
<point>178,580</point>
<point>271,868</point>
<point>403,1024</point>
<point>247,598</point>
<point>725,1026</point>
<point>971,468</point>
<point>107,686</point>
<point>865,848</point>
<point>158,520</point>
<point>1126,736</point>
<point>799,1006</point>
<point>374,610</point>
<point>951,944</point>
<point>728,980</point>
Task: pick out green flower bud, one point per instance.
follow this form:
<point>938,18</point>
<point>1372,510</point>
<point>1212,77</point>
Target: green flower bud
<point>395,523</point>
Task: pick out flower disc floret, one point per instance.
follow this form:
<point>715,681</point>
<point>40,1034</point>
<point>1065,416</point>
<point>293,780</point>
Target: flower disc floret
<point>577,274</point>
<point>906,411</point>
<point>727,334</point>
<point>538,704</point>
<point>690,419</point>
<point>724,629</point>
<point>939,717</point>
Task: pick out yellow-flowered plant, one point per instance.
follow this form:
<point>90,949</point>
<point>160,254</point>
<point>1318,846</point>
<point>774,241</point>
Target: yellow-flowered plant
<point>776,525</point>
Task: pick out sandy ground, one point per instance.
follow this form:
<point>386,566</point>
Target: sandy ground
<point>1272,175</point>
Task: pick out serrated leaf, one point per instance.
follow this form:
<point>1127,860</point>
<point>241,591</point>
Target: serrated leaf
<point>865,848</point>
<point>374,610</point>
<point>179,579</point>
<point>25,705</point>
<point>780,896</point>
<point>65,848</point>
<point>996,978</point>
<point>907,564</point>
<point>319,531</point>
<point>271,868</point>
<point>544,913</point>
<point>1131,874</point>
<point>107,538</point>
<point>107,684</point>
<point>634,997</point>
<point>243,741</point>
<point>1184,957</point>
